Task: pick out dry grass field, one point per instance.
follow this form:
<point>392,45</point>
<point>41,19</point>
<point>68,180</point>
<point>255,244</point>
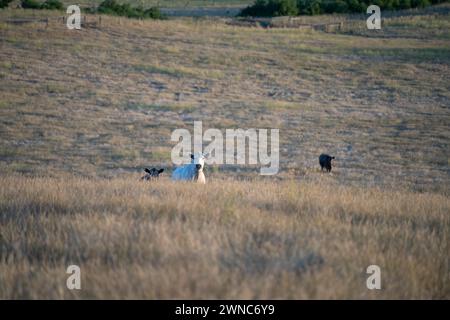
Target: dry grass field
<point>82,112</point>
<point>227,239</point>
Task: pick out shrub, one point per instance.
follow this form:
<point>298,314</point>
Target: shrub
<point>419,3</point>
<point>405,4</point>
<point>31,4</point>
<point>111,7</point>
<point>338,6</point>
<point>48,5</point>
<point>287,8</point>
<point>356,6</point>
<point>154,13</point>
<point>271,8</point>
<point>4,3</point>
<point>52,5</point>
<point>312,7</point>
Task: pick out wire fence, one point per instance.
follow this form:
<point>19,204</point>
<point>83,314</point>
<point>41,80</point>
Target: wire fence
<point>339,23</point>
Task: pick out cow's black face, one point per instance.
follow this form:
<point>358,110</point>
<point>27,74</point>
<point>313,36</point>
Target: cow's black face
<point>152,174</point>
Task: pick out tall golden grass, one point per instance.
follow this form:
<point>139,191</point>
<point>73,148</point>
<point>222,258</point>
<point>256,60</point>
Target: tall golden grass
<point>226,239</point>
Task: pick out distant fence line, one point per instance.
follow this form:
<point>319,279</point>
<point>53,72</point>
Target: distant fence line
<point>281,22</point>
<point>344,24</point>
<point>298,23</point>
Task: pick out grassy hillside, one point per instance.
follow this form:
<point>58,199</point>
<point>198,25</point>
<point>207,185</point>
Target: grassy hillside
<point>253,239</point>
<point>101,102</point>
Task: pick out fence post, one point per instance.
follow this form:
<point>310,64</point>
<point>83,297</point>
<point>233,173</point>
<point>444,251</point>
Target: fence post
<point>46,23</point>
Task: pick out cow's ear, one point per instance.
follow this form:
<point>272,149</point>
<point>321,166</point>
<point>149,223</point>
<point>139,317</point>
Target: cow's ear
<point>160,170</point>
<point>146,170</point>
<point>192,156</point>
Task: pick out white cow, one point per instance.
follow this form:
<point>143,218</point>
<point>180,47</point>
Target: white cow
<point>192,171</point>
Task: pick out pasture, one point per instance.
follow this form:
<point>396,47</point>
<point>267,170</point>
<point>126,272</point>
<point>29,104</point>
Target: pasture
<point>226,239</point>
<point>82,113</point>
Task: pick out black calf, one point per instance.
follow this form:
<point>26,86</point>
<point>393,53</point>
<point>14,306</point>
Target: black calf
<point>325,162</point>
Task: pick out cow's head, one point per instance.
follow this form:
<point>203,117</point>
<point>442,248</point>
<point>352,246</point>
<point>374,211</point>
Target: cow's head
<point>199,160</point>
<point>152,174</point>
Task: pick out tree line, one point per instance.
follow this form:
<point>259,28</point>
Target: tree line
<point>110,7</point>
<point>274,8</point>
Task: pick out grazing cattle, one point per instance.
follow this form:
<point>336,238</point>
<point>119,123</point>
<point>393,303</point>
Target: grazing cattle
<point>192,171</point>
<point>325,162</point>
<point>152,174</point>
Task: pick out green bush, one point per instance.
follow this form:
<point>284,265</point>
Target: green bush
<point>4,3</point>
<point>273,8</point>
<point>338,6</point>
<point>48,5</point>
<point>311,7</point>
<point>111,7</point>
<point>30,4</point>
<point>52,5</point>
<point>286,8</point>
<point>405,4</point>
<point>420,3</point>
<point>154,13</point>
<point>356,6</point>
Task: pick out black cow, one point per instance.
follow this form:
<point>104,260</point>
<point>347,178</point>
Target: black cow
<point>152,174</point>
<point>325,162</point>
